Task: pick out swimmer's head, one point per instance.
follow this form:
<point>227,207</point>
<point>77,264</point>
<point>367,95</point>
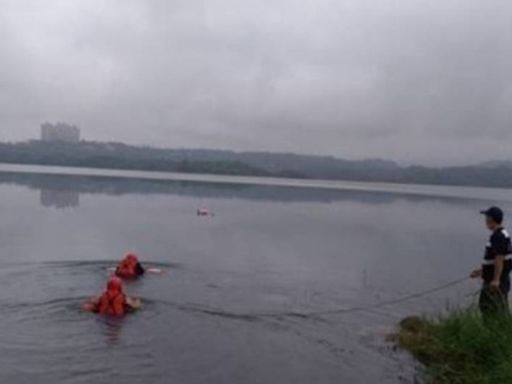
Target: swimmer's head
<point>132,258</point>
<point>115,284</point>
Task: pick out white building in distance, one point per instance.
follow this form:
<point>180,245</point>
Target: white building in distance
<point>60,132</point>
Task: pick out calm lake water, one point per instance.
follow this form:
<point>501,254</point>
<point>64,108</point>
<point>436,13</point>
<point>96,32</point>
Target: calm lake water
<point>209,318</point>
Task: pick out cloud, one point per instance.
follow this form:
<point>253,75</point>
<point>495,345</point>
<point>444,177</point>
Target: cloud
<point>416,81</point>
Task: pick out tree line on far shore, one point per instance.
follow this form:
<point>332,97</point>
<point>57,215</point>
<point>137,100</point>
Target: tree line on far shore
<point>127,157</point>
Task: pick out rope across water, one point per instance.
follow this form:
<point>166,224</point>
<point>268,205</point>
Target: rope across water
<point>328,312</point>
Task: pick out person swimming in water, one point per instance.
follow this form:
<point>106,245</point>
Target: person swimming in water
<point>113,302</point>
<point>130,268</point>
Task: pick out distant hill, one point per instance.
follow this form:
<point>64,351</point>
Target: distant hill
<point>122,156</point>
<point>497,164</point>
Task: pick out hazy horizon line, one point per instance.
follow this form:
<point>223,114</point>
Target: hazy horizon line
<point>398,163</point>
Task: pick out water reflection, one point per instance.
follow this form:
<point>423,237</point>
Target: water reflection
<point>112,328</point>
<point>63,191</point>
<point>60,199</point>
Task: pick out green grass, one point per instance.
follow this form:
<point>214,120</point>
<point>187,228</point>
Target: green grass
<point>459,348</point>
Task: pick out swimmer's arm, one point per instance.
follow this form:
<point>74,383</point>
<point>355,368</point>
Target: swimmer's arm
<point>90,304</point>
<point>94,300</point>
<point>133,303</point>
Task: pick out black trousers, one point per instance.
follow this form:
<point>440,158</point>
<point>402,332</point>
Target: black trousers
<point>493,302</point>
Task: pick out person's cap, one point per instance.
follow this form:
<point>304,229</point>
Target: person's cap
<point>494,213</point>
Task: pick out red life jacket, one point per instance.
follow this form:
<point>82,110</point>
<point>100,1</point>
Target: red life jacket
<point>127,268</point>
<point>113,300</point>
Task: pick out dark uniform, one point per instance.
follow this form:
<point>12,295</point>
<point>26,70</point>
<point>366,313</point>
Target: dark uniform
<point>494,301</point>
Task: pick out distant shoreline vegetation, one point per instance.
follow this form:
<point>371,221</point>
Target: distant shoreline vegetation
<point>127,157</point>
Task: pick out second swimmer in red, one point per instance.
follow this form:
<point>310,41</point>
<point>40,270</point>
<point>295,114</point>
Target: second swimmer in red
<point>130,267</point>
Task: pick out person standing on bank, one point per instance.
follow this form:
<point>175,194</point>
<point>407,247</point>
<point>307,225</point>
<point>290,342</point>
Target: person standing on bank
<point>496,266</point>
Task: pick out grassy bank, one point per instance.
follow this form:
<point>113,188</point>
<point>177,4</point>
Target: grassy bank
<point>459,349</point>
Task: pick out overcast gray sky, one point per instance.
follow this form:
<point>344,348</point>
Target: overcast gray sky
<point>424,81</point>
